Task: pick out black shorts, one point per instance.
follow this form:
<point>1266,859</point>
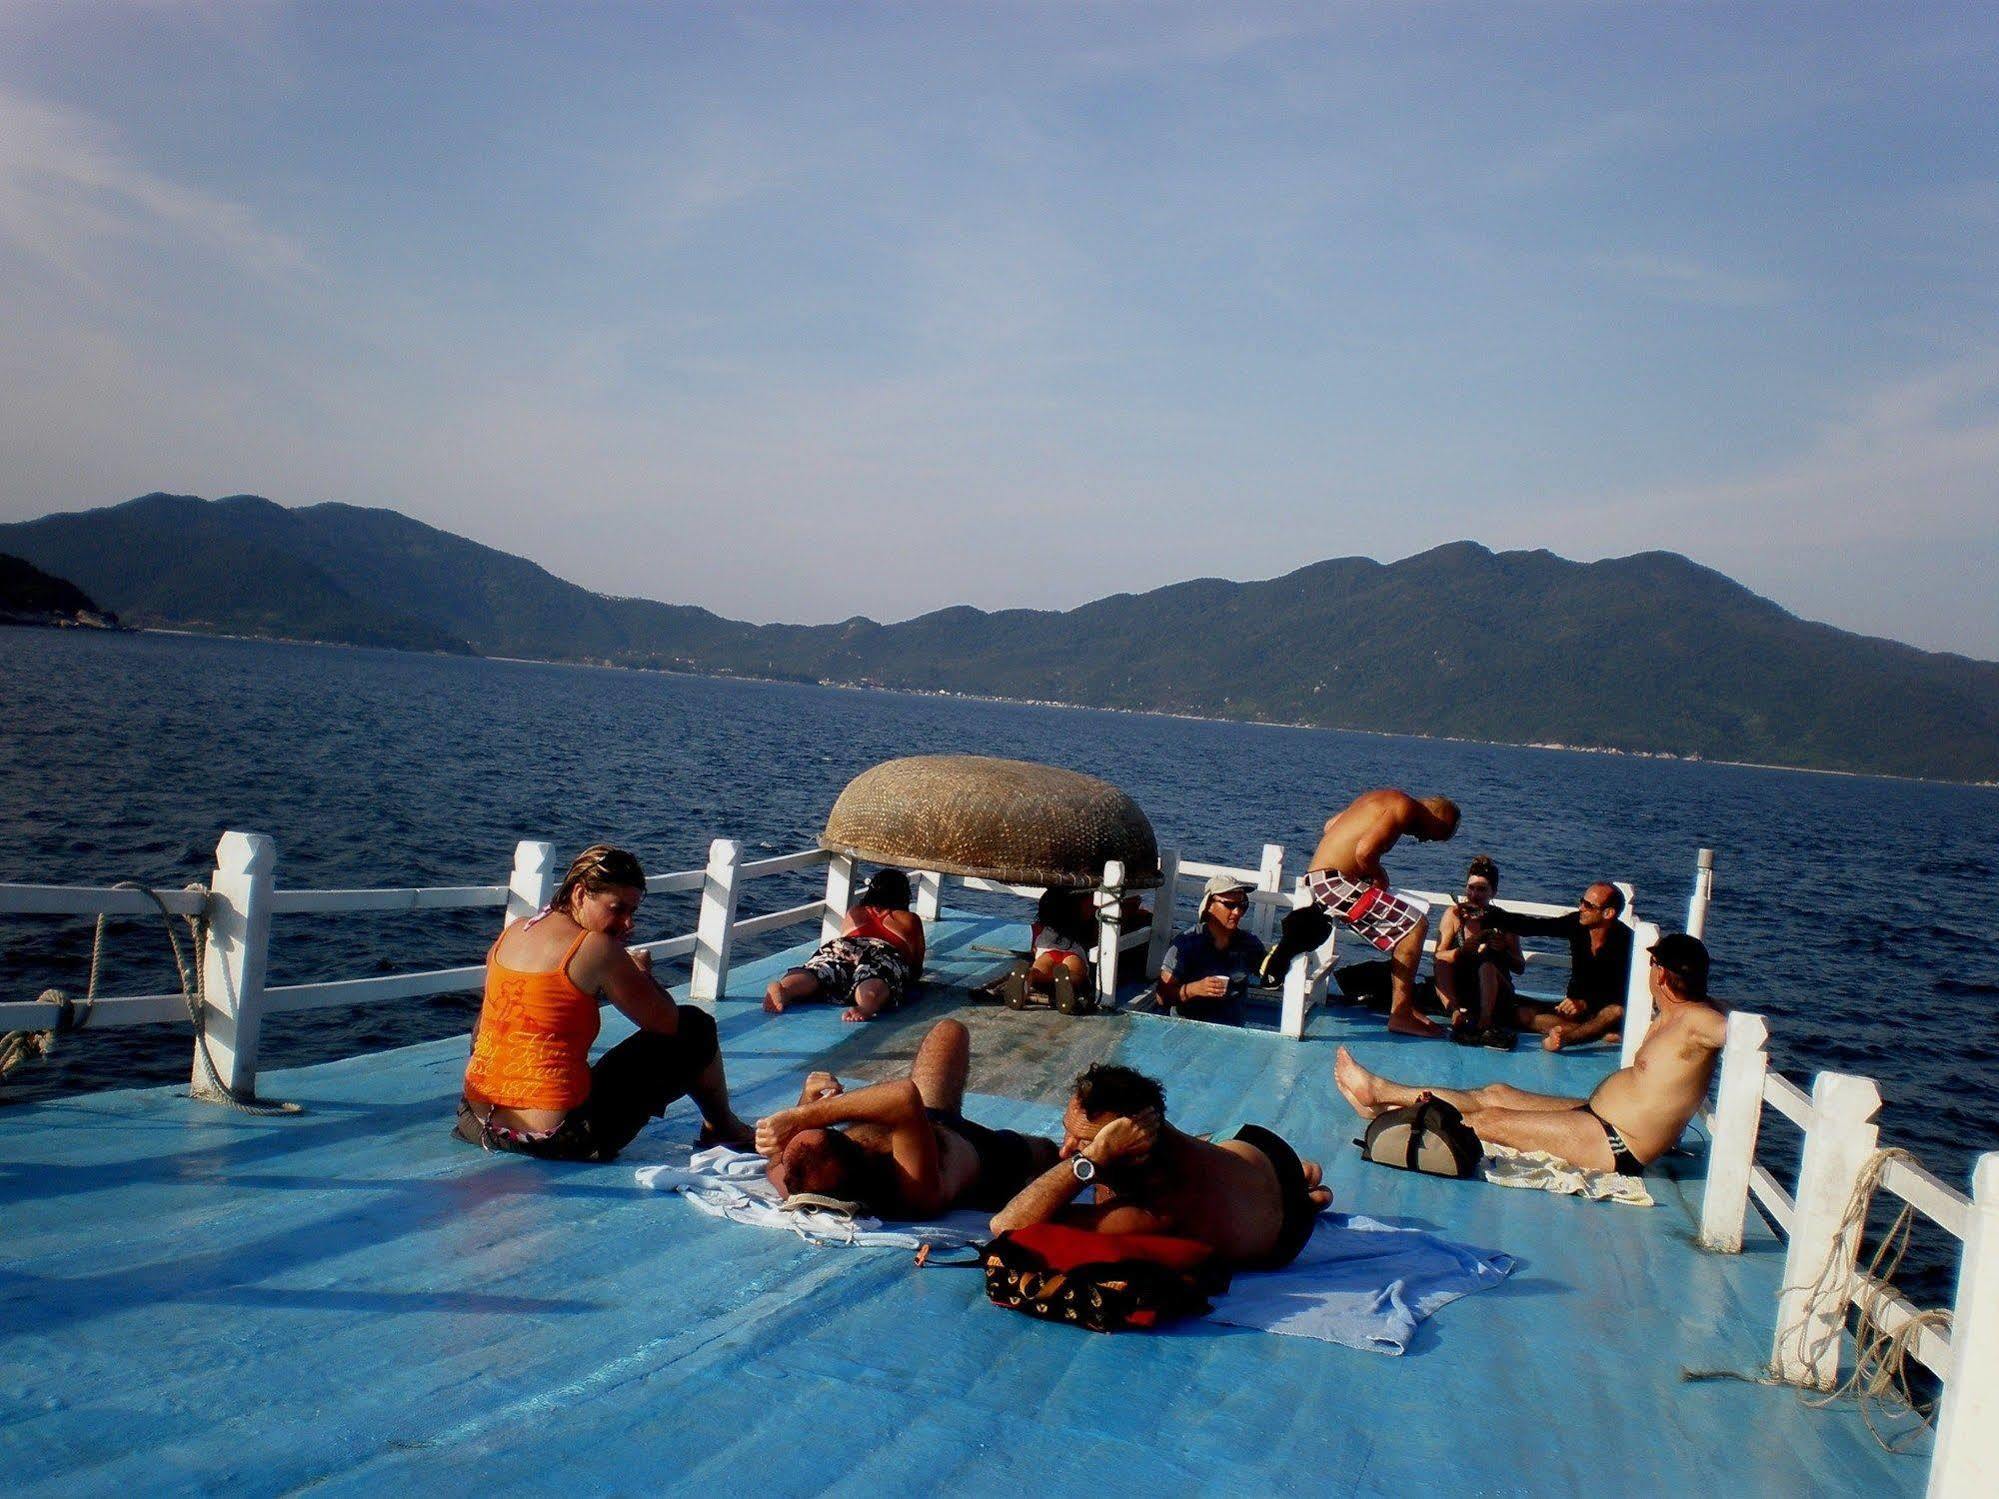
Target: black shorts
<point>1006,1160</point>
<point>630,1085</point>
<point>1300,1212</point>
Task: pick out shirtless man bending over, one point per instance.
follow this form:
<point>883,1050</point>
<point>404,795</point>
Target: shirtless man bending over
<point>1349,884</point>
<point>1250,1199</point>
<point>902,1149</point>
<point>1635,1114</point>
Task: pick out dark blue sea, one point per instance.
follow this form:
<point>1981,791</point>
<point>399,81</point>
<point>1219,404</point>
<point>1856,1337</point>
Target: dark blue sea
<point>1857,914</point>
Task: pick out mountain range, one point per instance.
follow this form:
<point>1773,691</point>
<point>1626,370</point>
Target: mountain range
<point>1650,653</point>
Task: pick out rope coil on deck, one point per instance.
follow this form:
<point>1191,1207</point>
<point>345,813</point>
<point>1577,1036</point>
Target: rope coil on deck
<point>17,1046</point>
<point>1880,1377</point>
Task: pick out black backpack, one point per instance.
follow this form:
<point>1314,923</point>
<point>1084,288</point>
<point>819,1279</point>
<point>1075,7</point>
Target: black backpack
<point>1428,1136</point>
<point>1102,1282</point>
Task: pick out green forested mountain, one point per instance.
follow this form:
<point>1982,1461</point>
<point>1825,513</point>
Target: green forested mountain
<point>1649,652</point>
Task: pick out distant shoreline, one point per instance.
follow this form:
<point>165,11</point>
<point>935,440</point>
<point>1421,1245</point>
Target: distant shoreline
<point>979,697</point>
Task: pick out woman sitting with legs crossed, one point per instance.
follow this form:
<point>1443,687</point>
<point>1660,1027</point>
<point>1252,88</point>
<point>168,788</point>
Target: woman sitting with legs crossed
<point>531,1087</point>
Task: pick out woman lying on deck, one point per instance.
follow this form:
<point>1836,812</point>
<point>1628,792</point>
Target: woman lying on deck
<point>871,964</point>
<point>530,1086</point>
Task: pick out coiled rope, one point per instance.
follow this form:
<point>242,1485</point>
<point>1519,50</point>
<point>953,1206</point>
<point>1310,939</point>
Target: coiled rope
<point>17,1046</point>
<point>1880,1377</point>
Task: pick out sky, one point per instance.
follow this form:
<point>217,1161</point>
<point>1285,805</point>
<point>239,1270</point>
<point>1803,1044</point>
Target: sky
<point>805,311</point>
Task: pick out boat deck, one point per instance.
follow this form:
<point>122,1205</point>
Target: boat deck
<point>350,1301</point>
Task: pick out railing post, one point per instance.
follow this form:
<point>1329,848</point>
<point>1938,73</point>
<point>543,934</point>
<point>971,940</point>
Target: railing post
<point>1110,925</point>
<point>1162,911</point>
<point>233,962</point>
<point>1738,1117</point>
<point>839,895</point>
<point>1297,982</point>
<point>715,927</point>
<point>1638,989</point>
<point>1703,893</point>
<point>929,895</point>
<point>532,884</point>
<point>1824,1244</point>
<point>1305,979</point>
<point>1269,877</point>
<point>1966,1454</point>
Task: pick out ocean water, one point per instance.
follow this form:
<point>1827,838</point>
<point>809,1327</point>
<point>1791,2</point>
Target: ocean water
<point>1858,914</point>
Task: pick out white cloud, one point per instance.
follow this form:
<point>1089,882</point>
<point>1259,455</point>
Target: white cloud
<point>72,196</point>
<point>1875,523</point>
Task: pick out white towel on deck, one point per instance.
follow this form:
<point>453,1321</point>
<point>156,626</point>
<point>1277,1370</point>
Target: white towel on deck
<point>727,1183</point>
<point>1539,1171</point>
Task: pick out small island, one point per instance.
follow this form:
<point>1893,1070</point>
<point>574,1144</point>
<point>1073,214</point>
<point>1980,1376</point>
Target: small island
<point>29,596</point>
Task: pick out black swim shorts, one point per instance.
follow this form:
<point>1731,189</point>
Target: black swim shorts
<point>1300,1212</point>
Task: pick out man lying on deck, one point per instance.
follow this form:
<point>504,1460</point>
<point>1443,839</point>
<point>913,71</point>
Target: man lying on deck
<point>874,960</point>
<point>1251,1199</point>
<point>1635,1114</point>
<point>1348,883</point>
<point>906,1150</point>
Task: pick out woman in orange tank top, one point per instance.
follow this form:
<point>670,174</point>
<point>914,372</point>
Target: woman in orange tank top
<point>871,964</point>
<point>530,1086</point>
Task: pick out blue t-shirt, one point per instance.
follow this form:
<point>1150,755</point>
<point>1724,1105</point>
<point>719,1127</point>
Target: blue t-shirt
<point>1194,955</point>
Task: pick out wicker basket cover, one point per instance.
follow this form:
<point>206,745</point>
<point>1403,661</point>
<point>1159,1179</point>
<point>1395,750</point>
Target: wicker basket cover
<point>1007,820</point>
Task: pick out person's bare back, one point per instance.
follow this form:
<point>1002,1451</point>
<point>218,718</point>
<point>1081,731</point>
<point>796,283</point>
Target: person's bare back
<point>1372,824</point>
<point>1226,1195</point>
<point>1252,1199</point>
<point>1348,884</point>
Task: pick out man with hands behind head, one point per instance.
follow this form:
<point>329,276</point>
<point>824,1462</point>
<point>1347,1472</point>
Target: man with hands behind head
<point>1250,1199</point>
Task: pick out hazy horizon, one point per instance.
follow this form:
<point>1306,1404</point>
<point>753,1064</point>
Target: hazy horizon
<point>1136,588</point>
<point>797,313</point>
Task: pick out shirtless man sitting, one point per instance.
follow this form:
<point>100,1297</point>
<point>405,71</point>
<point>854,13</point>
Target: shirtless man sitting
<point>1348,883</point>
<point>902,1149</point>
<point>1635,1114</point>
<point>1250,1199</point>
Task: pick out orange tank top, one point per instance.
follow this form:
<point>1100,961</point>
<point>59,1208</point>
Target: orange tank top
<point>870,922</point>
<point>533,1046</point>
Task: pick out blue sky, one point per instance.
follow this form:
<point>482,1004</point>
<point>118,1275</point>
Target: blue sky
<point>800,312</point>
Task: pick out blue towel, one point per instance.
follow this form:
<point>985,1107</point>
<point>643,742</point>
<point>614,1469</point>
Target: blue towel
<point>1361,1283</point>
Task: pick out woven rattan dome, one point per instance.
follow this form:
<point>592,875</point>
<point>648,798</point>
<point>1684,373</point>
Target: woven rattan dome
<point>1006,820</point>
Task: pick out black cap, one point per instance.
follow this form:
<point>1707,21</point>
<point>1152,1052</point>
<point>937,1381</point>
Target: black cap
<point>1686,959</point>
<point>887,889</point>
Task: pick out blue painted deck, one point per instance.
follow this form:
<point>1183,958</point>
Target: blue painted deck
<point>352,1302</point>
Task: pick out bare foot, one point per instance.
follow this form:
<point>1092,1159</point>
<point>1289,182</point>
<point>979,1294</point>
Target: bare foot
<point>774,998</point>
<point>734,1132</point>
<point>854,1013</point>
<point>1409,1023</point>
<point>1612,1038</point>
<point>1356,1084</point>
<point>1554,1039</point>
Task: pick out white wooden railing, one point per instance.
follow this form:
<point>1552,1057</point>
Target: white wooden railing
<point>242,899</point>
<point>1821,1228</point>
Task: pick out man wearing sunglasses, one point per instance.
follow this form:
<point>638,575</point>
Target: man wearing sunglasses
<point>1210,966</point>
<point>1599,967</point>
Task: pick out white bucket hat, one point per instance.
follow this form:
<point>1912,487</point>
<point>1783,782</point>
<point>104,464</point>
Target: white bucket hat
<point>1220,884</point>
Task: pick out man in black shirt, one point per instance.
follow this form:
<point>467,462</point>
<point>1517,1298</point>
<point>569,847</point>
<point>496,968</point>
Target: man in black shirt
<point>1599,967</point>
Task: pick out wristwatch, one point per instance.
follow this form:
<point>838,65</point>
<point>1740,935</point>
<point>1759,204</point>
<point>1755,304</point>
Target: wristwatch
<point>1084,1167</point>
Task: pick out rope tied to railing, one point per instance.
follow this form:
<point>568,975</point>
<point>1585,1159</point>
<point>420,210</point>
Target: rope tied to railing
<point>17,1046</point>
<point>1880,1377</point>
